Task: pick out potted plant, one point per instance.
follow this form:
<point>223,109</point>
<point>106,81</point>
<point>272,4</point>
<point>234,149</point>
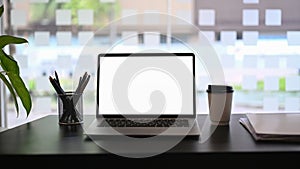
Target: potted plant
<point>10,73</point>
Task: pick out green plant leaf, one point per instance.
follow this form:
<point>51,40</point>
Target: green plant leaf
<point>1,10</point>
<point>12,91</point>
<point>21,90</point>
<point>7,39</point>
<point>8,64</point>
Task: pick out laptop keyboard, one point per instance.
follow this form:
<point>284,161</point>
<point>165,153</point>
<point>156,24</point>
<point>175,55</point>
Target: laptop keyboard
<point>122,122</point>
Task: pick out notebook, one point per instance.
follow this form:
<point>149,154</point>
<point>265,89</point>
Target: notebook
<point>141,98</point>
<point>273,126</point>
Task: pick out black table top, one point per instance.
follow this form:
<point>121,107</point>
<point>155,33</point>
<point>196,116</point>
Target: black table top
<point>45,137</point>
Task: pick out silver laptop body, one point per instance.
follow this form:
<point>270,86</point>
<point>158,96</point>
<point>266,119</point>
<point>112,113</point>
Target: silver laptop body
<point>114,118</point>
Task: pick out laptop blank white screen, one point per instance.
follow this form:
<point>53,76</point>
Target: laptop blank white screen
<point>144,84</point>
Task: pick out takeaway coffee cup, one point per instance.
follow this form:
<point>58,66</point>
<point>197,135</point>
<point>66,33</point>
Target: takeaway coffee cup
<point>220,101</point>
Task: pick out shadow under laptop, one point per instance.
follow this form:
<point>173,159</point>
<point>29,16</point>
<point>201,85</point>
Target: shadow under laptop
<point>161,137</point>
<point>137,146</point>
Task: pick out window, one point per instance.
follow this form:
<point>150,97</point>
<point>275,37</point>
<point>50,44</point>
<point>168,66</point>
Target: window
<point>256,43</point>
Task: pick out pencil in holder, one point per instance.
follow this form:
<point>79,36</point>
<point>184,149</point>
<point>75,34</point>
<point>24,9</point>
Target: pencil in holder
<point>70,108</point>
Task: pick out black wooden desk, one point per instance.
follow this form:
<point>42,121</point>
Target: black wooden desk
<point>45,141</point>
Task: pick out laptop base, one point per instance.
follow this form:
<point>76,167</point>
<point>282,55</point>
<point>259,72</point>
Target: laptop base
<point>95,131</point>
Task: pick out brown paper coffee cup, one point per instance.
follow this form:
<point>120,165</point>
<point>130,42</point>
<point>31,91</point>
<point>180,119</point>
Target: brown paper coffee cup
<point>220,101</point>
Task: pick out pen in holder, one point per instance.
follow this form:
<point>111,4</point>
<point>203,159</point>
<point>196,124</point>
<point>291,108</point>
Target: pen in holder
<point>70,104</point>
<point>70,109</point>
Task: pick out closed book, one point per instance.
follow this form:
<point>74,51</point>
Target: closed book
<point>273,126</point>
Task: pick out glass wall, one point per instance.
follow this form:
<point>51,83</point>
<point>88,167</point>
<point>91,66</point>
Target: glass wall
<point>257,42</point>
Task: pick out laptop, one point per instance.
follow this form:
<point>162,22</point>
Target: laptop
<point>145,94</point>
